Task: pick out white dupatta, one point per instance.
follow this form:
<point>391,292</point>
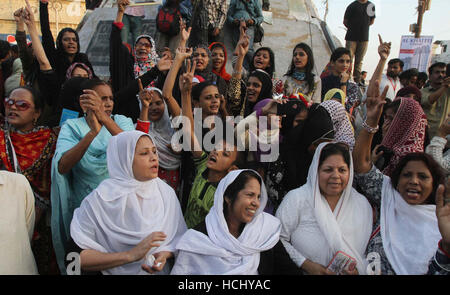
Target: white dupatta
<point>410,233</point>
<point>122,211</point>
<point>219,252</point>
<point>349,226</point>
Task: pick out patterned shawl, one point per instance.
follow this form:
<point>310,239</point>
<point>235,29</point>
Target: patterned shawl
<point>406,134</point>
<point>343,130</point>
<point>31,155</point>
<point>143,66</point>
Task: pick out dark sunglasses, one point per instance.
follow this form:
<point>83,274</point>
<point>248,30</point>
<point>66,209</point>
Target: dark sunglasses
<point>21,105</point>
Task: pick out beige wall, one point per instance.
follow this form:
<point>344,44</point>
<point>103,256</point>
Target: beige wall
<point>69,15</point>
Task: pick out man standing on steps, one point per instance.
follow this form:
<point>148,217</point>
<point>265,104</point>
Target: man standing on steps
<point>359,16</point>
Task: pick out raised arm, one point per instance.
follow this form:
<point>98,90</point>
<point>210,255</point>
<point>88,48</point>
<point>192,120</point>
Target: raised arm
<point>181,55</point>
<point>185,34</point>
<point>47,38</point>
<point>234,90</point>
<point>119,55</point>
<point>21,38</point>
<point>186,88</point>
<point>434,96</point>
<point>121,6</point>
<point>362,151</point>
<point>38,49</point>
<point>443,214</point>
<point>75,154</point>
<point>384,49</point>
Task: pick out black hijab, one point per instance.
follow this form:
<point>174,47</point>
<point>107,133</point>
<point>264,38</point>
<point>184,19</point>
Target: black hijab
<point>297,141</point>
<point>266,90</point>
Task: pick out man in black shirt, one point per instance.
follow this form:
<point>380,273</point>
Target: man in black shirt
<point>359,15</point>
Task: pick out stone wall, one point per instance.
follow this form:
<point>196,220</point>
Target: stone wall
<point>62,13</point>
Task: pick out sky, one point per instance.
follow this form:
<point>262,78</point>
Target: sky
<point>393,18</point>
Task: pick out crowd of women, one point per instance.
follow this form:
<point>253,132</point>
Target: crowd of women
<point>351,190</point>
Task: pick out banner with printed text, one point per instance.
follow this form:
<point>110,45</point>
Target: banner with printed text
<point>415,52</point>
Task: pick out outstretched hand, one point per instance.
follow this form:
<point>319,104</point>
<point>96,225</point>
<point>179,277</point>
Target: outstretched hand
<point>122,5</point>
<point>375,102</point>
<point>184,33</point>
<point>144,96</point>
<point>28,15</point>
<point>243,44</point>
<point>384,49</point>
<point>18,15</point>
<point>185,82</point>
<point>164,63</point>
<point>443,213</point>
<point>183,53</point>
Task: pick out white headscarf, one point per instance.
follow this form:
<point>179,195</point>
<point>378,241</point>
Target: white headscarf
<point>409,233</point>
<point>122,211</point>
<point>219,252</point>
<point>349,226</point>
<point>162,131</point>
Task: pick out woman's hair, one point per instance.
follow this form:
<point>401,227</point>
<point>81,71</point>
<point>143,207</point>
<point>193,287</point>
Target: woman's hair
<point>271,68</point>
<point>92,83</point>
<point>392,105</point>
<point>332,149</point>
<point>308,67</point>
<point>38,103</point>
<point>60,36</point>
<point>411,89</point>
<point>338,53</point>
<point>236,186</point>
<point>69,95</point>
<point>435,170</point>
<point>217,45</point>
<point>198,89</point>
<point>267,85</point>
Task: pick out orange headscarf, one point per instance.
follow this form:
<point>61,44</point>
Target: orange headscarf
<point>222,73</point>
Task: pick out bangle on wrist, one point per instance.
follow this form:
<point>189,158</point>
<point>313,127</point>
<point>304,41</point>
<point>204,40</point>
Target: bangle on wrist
<point>371,130</point>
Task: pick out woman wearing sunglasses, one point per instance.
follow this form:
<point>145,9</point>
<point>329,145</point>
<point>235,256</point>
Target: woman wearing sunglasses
<point>28,149</point>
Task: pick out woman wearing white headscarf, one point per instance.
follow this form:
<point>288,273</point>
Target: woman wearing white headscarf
<point>326,215</point>
<point>236,236</point>
<point>411,231</point>
<point>120,223</point>
<point>155,120</point>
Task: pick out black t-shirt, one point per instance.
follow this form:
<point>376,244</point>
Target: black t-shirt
<point>359,16</point>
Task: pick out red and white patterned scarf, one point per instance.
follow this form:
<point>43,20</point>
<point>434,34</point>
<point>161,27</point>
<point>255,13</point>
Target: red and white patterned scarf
<point>406,133</point>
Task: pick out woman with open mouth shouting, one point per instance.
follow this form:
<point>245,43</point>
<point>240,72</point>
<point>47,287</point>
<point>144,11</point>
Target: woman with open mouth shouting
<point>67,49</point>
<point>28,149</point>
<point>128,64</point>
<point>408,205</point>
<point>204,68</point>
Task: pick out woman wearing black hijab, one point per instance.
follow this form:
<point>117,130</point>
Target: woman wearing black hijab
<point>242,98</point>
<point>67,50</point>
<point>301,143</point>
